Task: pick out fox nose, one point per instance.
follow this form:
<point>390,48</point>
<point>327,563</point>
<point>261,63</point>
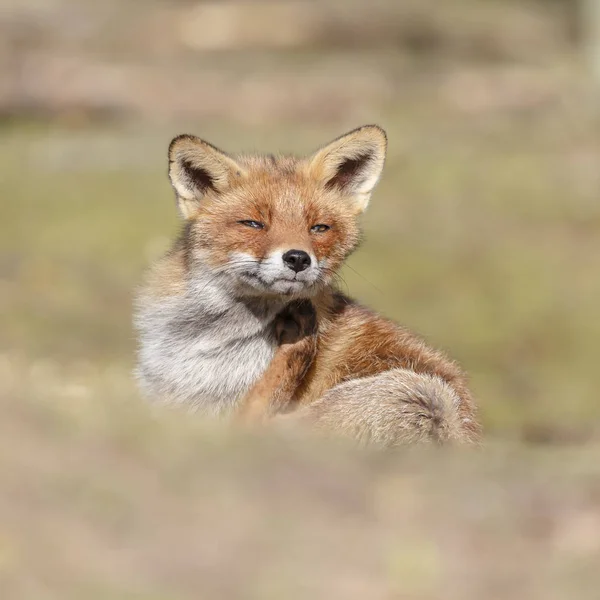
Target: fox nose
<point>297,260</point>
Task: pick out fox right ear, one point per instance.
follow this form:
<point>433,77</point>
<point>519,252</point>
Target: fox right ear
<point>196,168</point>
<point>352,163</point>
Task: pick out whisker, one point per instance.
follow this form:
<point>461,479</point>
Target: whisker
<point>338,277</point>
<point>365,279</point>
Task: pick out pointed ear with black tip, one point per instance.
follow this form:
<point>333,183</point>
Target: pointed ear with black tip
<point>352,163</point>
<point>196,168</point>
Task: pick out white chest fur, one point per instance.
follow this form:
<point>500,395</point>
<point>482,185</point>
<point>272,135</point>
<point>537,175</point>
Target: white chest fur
<point>203,350</point>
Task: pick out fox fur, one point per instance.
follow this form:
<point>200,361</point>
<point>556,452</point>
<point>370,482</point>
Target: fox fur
<point>241,319</point>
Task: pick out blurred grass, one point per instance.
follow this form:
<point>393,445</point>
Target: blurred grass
<point>483,236</point>
<point>102,499</point>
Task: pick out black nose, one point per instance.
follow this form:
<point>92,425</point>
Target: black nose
<point>297,260</point>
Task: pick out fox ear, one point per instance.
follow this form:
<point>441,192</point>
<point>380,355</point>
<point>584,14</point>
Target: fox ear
<point>352,163</point>
<point>197,168</point>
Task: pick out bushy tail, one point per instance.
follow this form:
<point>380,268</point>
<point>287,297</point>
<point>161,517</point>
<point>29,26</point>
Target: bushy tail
<point>391,409</point>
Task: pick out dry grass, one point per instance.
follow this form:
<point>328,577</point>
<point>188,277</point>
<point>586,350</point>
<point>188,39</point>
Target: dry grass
<point>103,499</point>
<point>483,236</point>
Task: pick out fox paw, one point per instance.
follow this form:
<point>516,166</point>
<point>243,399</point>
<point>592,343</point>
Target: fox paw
<point>295,322</point>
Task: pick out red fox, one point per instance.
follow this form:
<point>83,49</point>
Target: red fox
<point>241,318</point>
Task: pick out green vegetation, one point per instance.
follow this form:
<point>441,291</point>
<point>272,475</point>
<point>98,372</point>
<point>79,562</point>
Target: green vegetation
<point>483,236</point>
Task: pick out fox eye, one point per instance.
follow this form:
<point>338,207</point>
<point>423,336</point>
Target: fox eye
<point>255,224</point>
<point>320,228</point>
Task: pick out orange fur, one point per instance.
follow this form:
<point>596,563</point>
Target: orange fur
<point>218,194</point>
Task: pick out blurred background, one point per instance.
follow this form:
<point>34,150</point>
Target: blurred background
<point>484,236</point>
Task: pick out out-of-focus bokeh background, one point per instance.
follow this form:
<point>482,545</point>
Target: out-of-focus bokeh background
<point>484,235</point>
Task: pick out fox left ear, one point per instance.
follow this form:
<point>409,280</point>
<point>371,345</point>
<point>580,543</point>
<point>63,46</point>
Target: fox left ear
<point>352,163</point>
<point>198,169</point>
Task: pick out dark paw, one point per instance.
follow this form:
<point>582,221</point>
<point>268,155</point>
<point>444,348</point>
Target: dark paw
<point>295,322</point>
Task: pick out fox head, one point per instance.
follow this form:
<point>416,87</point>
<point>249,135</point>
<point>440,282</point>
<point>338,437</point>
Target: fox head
<point>275,225</point>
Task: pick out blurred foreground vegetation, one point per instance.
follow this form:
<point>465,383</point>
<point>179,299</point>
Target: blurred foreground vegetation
<point>101,500</point>
<point>484,235</point>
